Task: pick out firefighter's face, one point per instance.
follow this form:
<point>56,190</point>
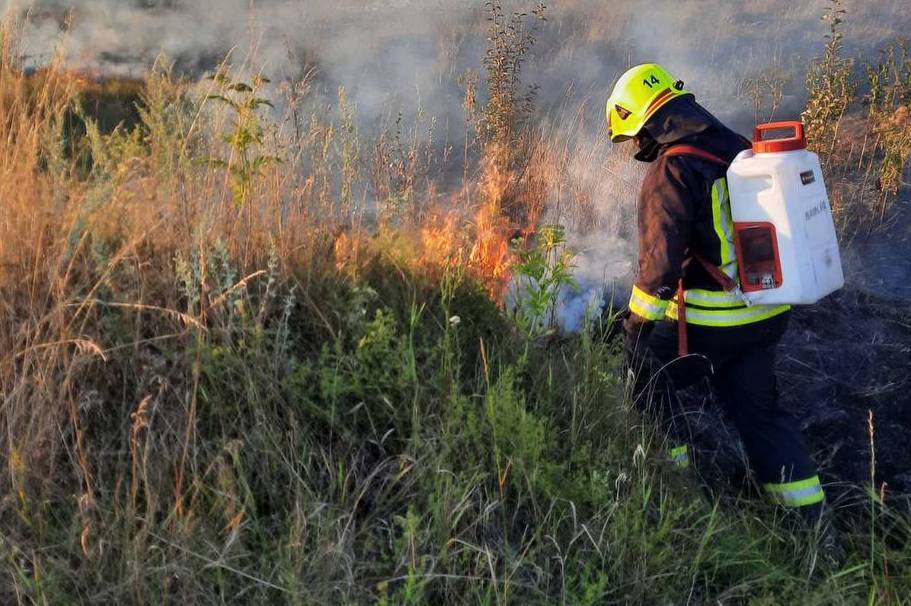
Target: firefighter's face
<point>644,139</point>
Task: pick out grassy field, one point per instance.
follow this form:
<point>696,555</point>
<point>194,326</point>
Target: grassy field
<point>232,374</point>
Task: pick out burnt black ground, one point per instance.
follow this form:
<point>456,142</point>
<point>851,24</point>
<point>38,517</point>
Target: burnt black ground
<point>840,362</point>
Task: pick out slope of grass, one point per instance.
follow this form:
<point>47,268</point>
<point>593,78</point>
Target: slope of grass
<point>219,386</point>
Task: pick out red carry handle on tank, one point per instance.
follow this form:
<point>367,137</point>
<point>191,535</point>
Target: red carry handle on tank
<point>798,141</point>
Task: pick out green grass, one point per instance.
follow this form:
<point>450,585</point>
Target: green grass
<point>392,456</point>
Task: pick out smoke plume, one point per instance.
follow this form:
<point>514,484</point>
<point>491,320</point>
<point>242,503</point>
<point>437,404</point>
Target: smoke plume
<point>405,57</point>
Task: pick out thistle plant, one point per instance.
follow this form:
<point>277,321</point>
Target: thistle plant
<point>245,137</point>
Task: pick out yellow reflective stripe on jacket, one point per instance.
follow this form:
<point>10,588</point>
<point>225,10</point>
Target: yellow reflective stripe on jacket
<point>727,317</point>
<point>724,226</point>
<point>712,298</point>
<point>645,305</point>
<point>796,494</point>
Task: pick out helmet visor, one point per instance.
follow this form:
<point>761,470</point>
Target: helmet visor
<point>610,129</point>
<point>614,113</point>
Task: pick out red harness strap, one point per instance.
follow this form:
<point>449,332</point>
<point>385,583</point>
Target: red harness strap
<point>725,281</point>
<point>683,346</point>
<point>692,150</point>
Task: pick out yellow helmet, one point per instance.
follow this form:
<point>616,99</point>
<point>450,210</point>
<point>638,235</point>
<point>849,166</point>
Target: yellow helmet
<point>638,94</point>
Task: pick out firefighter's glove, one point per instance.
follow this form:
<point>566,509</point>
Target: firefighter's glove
<point>636,330</point>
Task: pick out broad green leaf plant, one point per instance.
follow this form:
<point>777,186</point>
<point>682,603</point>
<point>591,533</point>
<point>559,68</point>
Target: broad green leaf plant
<point>542,270</point>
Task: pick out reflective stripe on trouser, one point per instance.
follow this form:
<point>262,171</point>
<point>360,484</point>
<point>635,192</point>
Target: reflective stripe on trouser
<point>721,317</point>
<point>647,306</point>
<point>796,494</point>
<point>680,456</point>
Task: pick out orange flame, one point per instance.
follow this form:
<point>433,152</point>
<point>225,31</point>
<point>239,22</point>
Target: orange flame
<point>480,240</point>
<point>497,226</point>
<point>441,244</point>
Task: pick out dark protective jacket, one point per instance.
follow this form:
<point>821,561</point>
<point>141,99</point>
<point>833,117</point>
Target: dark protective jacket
<point>684,210</point>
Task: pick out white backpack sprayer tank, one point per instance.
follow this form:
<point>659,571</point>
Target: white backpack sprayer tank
<point>784,233</point>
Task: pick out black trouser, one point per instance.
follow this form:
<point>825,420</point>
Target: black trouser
<point>740,362</point>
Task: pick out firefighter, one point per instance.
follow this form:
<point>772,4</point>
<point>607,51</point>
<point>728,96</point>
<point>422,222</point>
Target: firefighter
<point>688,271</point>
